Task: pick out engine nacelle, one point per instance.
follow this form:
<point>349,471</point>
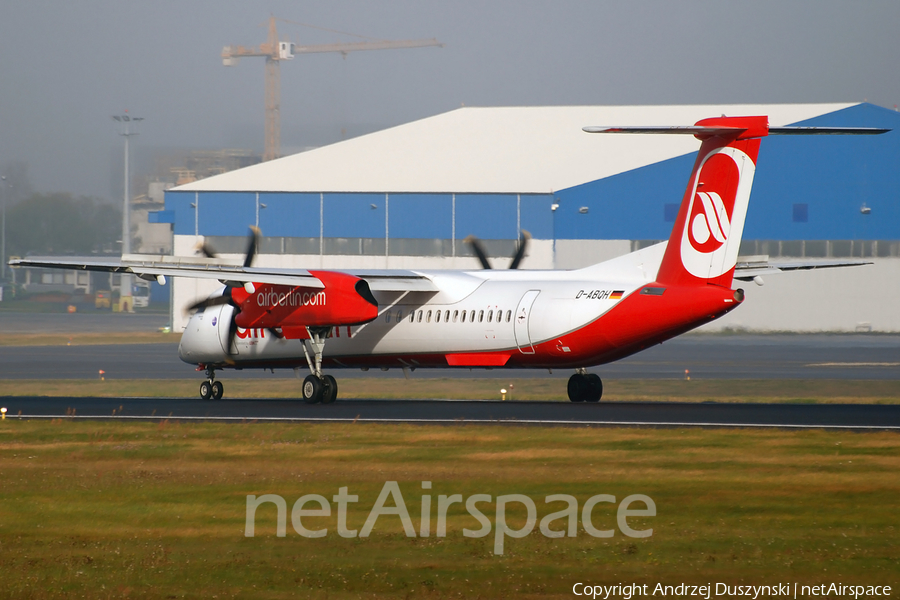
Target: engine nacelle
<point>345,300</point>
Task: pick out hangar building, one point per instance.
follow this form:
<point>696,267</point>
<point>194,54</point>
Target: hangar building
<point>408,196</point>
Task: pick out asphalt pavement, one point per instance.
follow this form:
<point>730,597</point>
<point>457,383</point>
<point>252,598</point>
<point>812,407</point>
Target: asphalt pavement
<point>651,414</point>
<point>822,356</point>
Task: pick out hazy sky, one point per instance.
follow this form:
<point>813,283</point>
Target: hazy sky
<point>66,66</point>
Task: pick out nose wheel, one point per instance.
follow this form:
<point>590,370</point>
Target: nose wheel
<point>585,387</point>
<point>211,389</point>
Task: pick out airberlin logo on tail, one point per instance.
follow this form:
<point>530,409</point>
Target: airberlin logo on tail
<point>709,222</point>
<point>716,213</point>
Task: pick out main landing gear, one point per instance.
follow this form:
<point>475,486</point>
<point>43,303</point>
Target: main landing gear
<point>317,387</point>
<point>585,387</point>
<point>211,389</point>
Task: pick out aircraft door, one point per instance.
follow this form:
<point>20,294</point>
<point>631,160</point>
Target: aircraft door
<point>521,319</point>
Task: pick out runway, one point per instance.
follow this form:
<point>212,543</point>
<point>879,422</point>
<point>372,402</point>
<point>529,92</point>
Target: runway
<point>806,356</point>
<point>649,414</point>
<point>788,356</point>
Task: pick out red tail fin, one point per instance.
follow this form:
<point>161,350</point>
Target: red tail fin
<point>705,240</point>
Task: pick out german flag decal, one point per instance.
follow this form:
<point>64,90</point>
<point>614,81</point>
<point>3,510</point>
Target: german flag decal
<point>616,295</point>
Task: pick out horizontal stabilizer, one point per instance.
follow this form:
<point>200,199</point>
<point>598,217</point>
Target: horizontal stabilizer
<point>753,266</point>
<point>704,131</point>
<point>688,130</point>
<point>826,131</point>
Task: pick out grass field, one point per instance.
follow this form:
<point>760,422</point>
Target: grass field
<point>141,510</point>
<point>87,338</point>
<point>619,390</point>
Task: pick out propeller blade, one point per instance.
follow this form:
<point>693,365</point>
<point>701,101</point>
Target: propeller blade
<point>475,244</point>
<point>252,246</point>
<point>520,252</point>
<point>225,298</point>
<point>205,249</point>
<point>232,331</point>
<point>206,303</point>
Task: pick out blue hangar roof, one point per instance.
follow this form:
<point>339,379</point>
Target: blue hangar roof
<point>492,171</point>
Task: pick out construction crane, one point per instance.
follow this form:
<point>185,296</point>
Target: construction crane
<point>276,51</point>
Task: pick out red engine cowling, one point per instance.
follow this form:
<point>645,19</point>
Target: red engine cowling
<point>345,300</point>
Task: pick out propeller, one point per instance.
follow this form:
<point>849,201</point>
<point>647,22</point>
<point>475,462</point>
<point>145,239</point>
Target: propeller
<point>226,297</point>
<point>476,246</point>
<point>207,250</point>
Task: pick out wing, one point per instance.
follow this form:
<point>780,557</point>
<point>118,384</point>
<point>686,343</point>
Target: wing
<point>153,267</point>
<point>150,267</point>
<point>394,280</point>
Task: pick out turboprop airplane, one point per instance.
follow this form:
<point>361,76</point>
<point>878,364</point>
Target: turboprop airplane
<point>281,318</point>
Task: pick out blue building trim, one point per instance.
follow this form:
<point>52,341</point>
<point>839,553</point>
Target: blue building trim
<point>421,216</point>
<point>832,175</point>
<point>289,215</point>
<point>161,216</point>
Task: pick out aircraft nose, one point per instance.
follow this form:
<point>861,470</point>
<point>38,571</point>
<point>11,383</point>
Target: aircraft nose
<point>187,347</point>
<point>193,348</point>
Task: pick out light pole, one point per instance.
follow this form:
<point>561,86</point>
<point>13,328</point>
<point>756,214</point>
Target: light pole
<point>125,121</point>
<point>3,242</point>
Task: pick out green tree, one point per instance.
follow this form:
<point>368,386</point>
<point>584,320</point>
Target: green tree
<point>62,224</point>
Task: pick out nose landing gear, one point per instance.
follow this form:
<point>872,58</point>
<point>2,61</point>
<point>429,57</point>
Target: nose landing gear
<point>585,387</point>
<point>211,389</point>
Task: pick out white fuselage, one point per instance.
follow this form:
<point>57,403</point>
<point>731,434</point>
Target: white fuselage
<point>473,312</point>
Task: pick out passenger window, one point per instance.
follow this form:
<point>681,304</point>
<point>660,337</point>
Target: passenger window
<point>463,317</point>
<point>419,318</point>
<point>472,317</point>
<point>490,315</point>
<point>437,316</point>
<point>447,317</point>
<point>480,316</point>
<point>508,316</point>
<point>387,316</point>
<point>399,315</point>
<point>428,317</point>
<point>412,315</point>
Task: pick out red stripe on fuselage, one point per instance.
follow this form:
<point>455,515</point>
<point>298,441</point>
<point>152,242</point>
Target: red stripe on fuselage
<point>478,359</point>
